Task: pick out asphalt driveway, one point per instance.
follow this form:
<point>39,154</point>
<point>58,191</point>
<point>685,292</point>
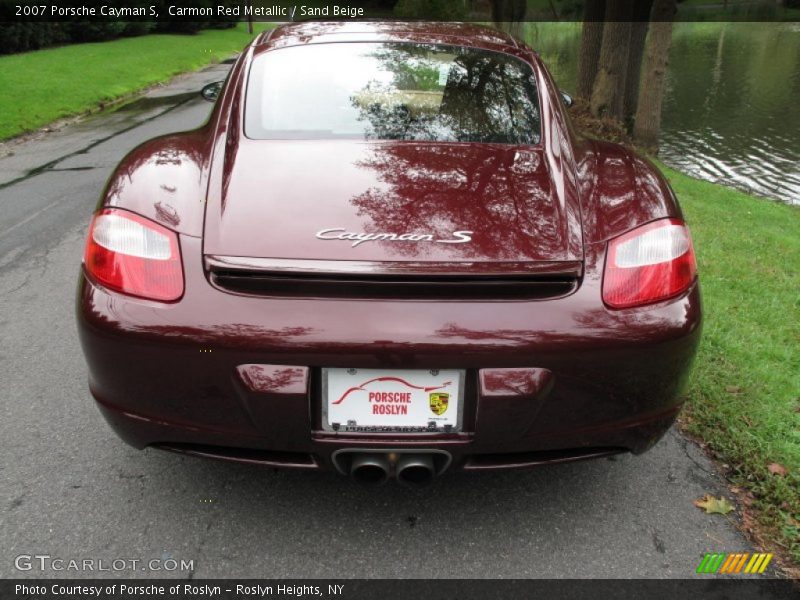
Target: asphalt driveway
<point>70,489</point>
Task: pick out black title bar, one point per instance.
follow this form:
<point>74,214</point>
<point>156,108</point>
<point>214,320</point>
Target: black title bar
<point>708,588</point>
<point>33,11</point>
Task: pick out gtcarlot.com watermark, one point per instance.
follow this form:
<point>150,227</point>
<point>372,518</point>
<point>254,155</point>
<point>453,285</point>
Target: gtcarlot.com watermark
<point>48,563</point>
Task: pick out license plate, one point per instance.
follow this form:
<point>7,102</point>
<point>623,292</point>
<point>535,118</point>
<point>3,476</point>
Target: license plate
<point>392,400</point>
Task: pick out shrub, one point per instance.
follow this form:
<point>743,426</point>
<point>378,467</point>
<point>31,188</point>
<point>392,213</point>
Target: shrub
<point>94,31</point>
<point>435,10</point>
<point>134,28</point>
<point>20,36</point>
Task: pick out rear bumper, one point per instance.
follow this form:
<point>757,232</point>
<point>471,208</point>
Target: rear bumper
<point>141,432</point>
<point>170,375</point>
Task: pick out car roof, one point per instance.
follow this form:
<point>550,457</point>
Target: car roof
<point>461,34</point>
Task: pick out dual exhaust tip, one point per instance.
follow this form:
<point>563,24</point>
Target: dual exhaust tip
<point>416,469</point>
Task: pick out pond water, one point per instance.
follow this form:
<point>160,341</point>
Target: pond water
<point>732,106</point>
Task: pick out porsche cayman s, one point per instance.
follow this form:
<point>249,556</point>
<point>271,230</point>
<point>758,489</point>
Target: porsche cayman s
<point>387,253</point>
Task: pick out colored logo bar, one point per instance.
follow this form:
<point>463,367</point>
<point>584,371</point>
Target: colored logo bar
<point>742,562</point>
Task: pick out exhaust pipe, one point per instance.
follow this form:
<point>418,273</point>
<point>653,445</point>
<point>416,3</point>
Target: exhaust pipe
<point>416,469</point>
<point>370,469</point>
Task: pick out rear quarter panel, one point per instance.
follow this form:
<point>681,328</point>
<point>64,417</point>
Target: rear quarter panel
<point>620,191</point>
<point>166,179</point>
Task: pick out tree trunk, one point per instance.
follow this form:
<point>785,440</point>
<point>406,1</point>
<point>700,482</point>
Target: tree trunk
<point>591,40</point>
<point>647,126</point>
<point>508,15</point>
<point>608,90</point>
<point>641,15</point>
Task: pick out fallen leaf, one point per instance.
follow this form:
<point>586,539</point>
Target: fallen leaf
<point>733,389</point>
<point>777,469</point>
<point>712,505</point>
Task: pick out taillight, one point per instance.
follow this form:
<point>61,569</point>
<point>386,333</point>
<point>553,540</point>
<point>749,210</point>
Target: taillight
<point>133,255</point>
<point>649,264</point>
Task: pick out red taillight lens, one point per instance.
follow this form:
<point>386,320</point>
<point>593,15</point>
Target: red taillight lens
<point>133,255</point>
<point>649,264</point>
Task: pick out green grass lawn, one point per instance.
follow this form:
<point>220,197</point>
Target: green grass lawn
<point>46,85</point>
<point>744,395</point>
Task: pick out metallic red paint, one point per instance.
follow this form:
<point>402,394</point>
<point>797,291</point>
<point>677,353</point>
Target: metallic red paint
<point>274,380</point>
<point>237,375</point>
<point>504,195</point>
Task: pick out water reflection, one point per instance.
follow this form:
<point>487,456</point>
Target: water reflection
<point>730,111</point>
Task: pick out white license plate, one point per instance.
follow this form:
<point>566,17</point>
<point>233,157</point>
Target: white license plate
<point>392,400</point>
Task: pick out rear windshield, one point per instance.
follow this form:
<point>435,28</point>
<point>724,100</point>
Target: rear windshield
<point>397,91</point>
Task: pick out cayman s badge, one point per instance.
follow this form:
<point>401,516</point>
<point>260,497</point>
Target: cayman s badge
<point>340,233</point>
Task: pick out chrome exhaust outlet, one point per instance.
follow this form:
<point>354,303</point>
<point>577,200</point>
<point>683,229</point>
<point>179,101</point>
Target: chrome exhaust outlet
<point>415,469</point>
<point>412,466</point>
<point>370,469</point>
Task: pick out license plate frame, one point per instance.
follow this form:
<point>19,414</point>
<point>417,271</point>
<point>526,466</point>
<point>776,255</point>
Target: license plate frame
<point>450,421</point>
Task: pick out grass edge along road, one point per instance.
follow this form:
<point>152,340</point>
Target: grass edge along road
<point>88,76</point>
<point>744,392</point>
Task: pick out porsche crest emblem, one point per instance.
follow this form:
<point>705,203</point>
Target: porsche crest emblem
<point>439,402</point>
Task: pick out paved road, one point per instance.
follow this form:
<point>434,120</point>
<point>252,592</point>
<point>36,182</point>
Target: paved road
<point>70,489</point>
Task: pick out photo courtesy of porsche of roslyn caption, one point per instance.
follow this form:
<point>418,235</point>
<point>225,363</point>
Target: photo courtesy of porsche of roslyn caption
<point>387,253</point>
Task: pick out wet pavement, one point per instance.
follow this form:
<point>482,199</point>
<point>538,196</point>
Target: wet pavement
<point>69,488</point>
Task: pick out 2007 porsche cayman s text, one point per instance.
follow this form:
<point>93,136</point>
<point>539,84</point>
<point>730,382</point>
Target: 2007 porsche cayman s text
<point>388,253</point>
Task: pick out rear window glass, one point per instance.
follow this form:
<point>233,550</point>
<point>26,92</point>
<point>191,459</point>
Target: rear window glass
<point>397,91</point>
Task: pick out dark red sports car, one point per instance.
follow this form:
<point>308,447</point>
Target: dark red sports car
<point>389,254</point>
